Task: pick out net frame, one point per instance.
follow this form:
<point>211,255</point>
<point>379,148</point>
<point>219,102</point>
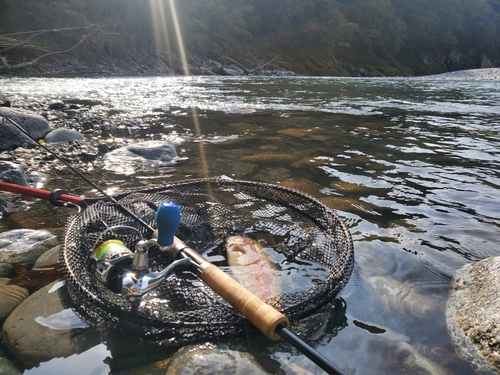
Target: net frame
<point>183,309</point>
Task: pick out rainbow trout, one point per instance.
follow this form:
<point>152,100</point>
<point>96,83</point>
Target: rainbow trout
<point>251,267</point>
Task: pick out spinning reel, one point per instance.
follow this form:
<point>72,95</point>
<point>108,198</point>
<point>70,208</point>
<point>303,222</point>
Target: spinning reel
<point>126,272</point>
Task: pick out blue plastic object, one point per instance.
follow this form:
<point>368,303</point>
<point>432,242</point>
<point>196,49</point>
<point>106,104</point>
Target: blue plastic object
<point>168,218</point>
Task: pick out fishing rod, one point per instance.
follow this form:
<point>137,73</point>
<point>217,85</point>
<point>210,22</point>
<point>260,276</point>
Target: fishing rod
<point>269,321</point>
<point>263,316</point>
<point>81,175</point>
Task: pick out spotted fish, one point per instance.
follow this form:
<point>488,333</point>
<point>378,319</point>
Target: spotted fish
<point>250,266</point>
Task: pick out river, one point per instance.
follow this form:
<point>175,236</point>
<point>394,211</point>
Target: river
<point>412,165</point>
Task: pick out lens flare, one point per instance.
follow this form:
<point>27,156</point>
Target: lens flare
<point>162,42</point>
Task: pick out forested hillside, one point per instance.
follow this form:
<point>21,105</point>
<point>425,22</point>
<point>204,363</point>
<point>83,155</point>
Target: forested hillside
<point>316,37</point>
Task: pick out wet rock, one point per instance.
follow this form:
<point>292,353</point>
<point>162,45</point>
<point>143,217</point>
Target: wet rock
<point>11,297</point>
<point>472,314</point>
<point>8,368</point>
<point>13,173</point>
<point>63,135</point>
<point>155,153</point>
<point>10,137</point>
<point>34,106</point>
<point>160,151</point>
<point>44,326</point>
<point>58,106</point>
<point>23,246</point>
<point>198,360</point>
<point>71,113</point>
<point>36,179</point>
<point>3,207</point>
<point>103,148</point>
<point>149,150</point>
<point>4,156</point>
<point>48,258</point>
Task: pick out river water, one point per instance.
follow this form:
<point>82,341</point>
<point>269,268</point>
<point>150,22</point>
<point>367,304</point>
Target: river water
<point>412,165</point>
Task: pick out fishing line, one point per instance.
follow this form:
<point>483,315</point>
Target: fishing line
<point>227,202</point>
<point>90,182</point>
<point>61,179</point>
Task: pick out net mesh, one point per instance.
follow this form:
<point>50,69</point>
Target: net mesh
<point>300,231</point>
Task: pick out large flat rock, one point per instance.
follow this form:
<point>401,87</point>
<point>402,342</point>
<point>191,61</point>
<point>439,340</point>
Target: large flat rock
<point>10,137</point>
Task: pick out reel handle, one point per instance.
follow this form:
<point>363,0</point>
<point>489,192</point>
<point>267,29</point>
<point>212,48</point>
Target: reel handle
<point>168,218</point>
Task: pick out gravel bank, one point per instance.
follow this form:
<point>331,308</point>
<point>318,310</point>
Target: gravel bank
<point>490,74</point>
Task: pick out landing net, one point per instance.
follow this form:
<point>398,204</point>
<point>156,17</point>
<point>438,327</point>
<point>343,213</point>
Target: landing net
<point>297,228</point>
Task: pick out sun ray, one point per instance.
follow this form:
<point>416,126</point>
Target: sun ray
<point>162,41</point>
<point>178,34</point>
<point>160,29</point>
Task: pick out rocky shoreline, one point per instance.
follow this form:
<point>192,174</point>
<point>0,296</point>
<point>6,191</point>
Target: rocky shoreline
<point>152,65</point>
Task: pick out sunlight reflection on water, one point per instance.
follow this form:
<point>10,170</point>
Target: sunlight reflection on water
<point>412,165</point>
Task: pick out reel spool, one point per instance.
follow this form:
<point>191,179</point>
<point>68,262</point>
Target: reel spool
<point>182,309</point>
<point>108,261</point>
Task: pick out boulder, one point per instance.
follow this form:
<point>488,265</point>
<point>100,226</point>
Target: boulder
<point>63,135</point>
<point>150,153</point>
<point>48,258</point>
<point>8,368</point>
<point>23,246</point>
<point>472,314</point>
<point>44,327</point>
<point>13,173</point>
<point>11,137</point>
<point>11,296</point>
<point>196,360</point>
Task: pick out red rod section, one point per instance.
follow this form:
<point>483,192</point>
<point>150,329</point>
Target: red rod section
<point>38,193</point>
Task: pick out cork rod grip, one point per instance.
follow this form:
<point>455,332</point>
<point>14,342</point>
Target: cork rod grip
<point>259,313</point>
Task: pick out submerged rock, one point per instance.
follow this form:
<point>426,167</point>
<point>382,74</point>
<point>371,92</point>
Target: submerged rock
<point>414,362</point>
<point>10,137</point>
<point>23,246</point>
<point>12,173</point>
<point>472,314</point>
<point>199,360</point>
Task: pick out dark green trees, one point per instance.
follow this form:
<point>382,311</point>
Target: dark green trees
<point>393,30</point>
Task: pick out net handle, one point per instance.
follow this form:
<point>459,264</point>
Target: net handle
<point>263,316</point>
<point>268,320</point>
<point>259,313</point>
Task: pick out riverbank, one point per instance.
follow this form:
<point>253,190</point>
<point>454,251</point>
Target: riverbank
<point>489,74</point>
